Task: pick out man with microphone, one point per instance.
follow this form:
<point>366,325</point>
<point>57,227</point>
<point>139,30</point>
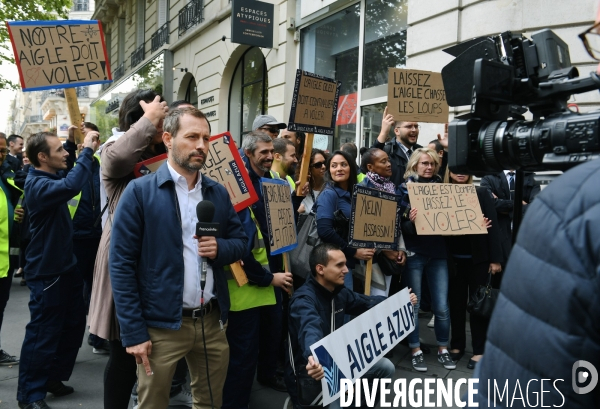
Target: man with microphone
<point>169,284</point>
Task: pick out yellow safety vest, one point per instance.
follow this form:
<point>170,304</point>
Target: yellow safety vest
<point>251,296</point>
<point>360,177</point>
<point>74,203</point>
<point>4,227</point>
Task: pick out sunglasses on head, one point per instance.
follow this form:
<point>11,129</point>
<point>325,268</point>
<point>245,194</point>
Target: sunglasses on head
<point>317,165</point>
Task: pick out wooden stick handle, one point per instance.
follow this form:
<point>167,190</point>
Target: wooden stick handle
<point>368,274</point>
<point>74,114</point>
<point>304,168</point>
<point>288,268</point>
<point>238,273</point>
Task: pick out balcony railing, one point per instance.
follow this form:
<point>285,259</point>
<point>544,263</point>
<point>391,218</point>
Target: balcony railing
<point>190,15</point>
<point>119,71</point>
<point>54,93</point>
<point>160,37</point>
<point>83,92</point>
<point>34,118</point>
<point>138,56</point>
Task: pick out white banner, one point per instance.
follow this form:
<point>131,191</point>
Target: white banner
<point>367,338</point>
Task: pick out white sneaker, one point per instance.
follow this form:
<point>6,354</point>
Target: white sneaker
<point>431,322</point>
<point>183,398</point>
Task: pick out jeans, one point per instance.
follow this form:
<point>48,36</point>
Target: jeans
<point>54,334</point>
<point>382,369</point>
<point>436,270</point>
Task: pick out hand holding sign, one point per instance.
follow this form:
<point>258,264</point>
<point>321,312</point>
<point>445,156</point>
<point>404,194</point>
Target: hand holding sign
<point>314,369</point>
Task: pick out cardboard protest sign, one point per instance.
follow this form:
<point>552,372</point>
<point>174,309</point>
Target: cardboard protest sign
<point>223,164</point>
<point>374,219</point>
<point>350,351</point>
<point>447,209</point>
<point>280,215</point>
<point>314,104</point>
<point>59,54</point>
<point>417,96</point>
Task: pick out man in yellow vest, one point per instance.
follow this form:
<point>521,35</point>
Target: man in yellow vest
<point>10,211</point>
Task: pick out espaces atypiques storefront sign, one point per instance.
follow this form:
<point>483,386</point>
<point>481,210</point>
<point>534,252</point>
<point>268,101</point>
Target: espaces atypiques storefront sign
<point>252,23</point>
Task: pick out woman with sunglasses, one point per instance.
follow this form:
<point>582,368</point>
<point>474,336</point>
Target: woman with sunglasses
<point>316,179</point>
<point>139,138</point>
<point>426,255</point>
<point>472,259</point>
<point>333,209</point>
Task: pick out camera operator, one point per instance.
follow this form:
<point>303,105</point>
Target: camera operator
<point>550,290</point>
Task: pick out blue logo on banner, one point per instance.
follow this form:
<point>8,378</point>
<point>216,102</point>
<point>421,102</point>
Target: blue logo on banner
<point>332,372</point>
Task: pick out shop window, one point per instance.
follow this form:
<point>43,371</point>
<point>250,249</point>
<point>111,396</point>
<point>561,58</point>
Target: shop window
<point>330,48</point>
<point>188,91</point>
<point>385,40</point>
<point>248,96</point>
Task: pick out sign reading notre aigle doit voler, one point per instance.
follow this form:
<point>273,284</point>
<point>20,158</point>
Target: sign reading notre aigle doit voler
<point>252,23</point>
<point>59,54</point>
<point>446,209</point>
<point>374,219</point>
<point>314,104</point>
<point>280,215</point>
<point>417,96</point>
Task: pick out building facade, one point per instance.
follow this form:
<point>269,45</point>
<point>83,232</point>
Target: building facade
<point>183,50</point>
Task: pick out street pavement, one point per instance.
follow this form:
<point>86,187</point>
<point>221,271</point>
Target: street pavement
<point>87,378</point>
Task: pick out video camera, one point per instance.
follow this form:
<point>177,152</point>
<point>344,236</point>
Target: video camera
<point>502,77</point>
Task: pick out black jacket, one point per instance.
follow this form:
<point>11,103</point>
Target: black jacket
<point>546,317</point>
<point>397,157</point>
<point>484,248</point>
<point>498,185</point>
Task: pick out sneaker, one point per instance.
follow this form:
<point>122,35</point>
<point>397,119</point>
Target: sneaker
<point>40,404</point>
<point>183,398</point>
<point>418,362</point>
<point>102,349</point>
<point>431,322</point>
<point>444,359</point>
<point>6,359</point>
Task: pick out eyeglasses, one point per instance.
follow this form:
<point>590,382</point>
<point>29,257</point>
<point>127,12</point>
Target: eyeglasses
<point>428,164</point>
<point>591,41</point>
<point>3,151</point>
<point>271,129</point>
<point>317,165</point>
<point>409,127</point>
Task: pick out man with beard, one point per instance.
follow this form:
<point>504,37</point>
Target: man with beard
<point>284,160</point>
<point>165,309</point>
<point>400,149</point>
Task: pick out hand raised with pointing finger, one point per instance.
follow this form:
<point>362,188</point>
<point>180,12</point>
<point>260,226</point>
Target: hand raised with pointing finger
<point>155,111</point>
<point>141,352</point>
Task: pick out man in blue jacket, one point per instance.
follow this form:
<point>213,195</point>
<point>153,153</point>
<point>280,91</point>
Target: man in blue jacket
<point>54,334</point>
<point>322,298</point>
<point>164,310</point>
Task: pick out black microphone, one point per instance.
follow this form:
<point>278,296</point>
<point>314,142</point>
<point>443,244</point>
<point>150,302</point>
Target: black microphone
<point>205,212</point>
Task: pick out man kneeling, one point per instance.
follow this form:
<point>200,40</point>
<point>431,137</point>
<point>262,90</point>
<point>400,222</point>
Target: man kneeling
<point>318,308</point>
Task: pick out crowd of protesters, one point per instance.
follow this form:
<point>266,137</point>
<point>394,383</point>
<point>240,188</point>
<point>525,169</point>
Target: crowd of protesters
<point>162,302</point>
